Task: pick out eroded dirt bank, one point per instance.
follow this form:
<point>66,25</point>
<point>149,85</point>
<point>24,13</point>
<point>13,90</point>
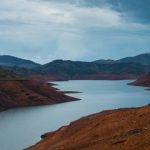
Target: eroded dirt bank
<point>142,81</point>
<point>122,129</point>
<point>20,93</point>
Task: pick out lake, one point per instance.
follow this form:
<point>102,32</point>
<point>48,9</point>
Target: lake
<point>22,127</point>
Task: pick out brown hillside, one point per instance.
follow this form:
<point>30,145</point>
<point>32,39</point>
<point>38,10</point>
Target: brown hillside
<point>124,129</point>
<point>15,93</point>
<point>142,81</point>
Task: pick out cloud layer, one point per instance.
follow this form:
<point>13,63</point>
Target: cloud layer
<point>43,30</point>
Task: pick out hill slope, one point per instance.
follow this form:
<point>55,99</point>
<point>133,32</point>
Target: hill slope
<point>29,93</point>
<point>104,61</point>
<point>143,59</point>
<point>90,70</point>
<point>17,92</point>
<point>11,61</point>
<point>142,81</point>
<point>6,74</point>
<point>124,129</point>
<point>126,68</point>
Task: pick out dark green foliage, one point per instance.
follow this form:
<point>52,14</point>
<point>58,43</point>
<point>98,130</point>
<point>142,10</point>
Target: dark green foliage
<point>8,75</point>
<point>143,59</point>
<point>6,60</point>
<point>60,67</point>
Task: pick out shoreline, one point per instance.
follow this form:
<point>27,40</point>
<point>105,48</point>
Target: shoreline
<point>32,92</point>
<point>65,149</point>
<point>52,140</point>
<point>99,130</point>
<point>25,93</point>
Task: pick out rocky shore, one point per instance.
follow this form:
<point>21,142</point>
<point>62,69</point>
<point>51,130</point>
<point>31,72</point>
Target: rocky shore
<point>19,93</point>
<point>122,129</point>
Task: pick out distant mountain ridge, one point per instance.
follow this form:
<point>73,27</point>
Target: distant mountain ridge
<point>105,61</point>
<point>76,70</point>
<point>143,59</point>
<point>11,61</point>
<point>126,68</point>
<point>73,67</point>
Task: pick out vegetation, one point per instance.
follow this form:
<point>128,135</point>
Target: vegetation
<point>9,75</point>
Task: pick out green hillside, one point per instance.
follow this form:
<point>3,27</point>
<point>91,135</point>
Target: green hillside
<point>8,75</point>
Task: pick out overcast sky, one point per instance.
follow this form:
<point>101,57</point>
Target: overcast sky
<point>44,30</point>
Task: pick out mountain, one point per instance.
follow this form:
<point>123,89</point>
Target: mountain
<point>126,68</point>
<point>105,61</point>
<point>143,59</point>
<point>11,61</point>
<point>68,70</point>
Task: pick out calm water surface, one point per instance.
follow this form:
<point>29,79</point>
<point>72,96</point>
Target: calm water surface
<point>20,128</point>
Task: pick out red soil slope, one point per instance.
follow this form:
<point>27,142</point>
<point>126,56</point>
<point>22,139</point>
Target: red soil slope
<point>28,93</point>
<point>142,81</point>
<point>124,129</point>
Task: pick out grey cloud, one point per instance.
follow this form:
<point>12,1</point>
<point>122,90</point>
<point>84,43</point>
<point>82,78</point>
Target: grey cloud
<point>43,30</point>
<point>7,22</point>
<point>138,10</point>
